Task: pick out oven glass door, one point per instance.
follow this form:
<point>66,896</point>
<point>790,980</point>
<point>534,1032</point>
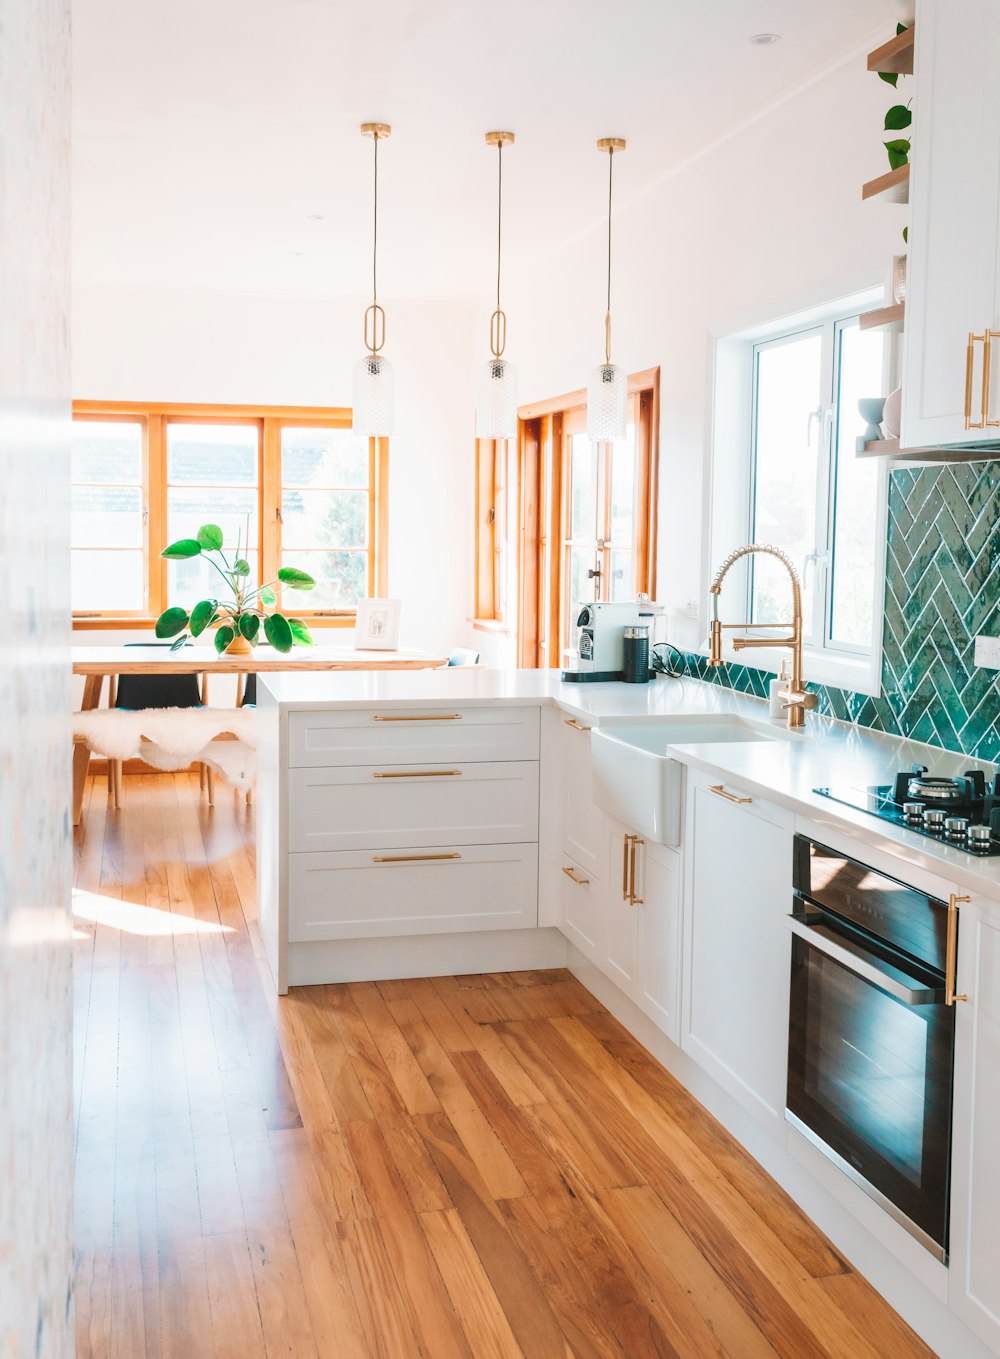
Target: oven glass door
<point>871,1049</point>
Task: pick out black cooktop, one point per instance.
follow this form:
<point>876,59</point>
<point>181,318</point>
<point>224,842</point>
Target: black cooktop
<point>972,801</point>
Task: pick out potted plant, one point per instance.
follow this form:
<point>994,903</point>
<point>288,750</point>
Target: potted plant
<point>240,618</point>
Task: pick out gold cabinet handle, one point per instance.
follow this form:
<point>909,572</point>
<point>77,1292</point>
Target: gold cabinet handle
<point>410,858</point>
<point>990,336</point>
<point>572,722</point>
<point>421,717</point>
<point>633,900</point>
<point>580,882</point>
<point>969,360</point>
<point>625,891</point>
<point>417,774</point>
<point>721,791</point>
<point>951,951</point>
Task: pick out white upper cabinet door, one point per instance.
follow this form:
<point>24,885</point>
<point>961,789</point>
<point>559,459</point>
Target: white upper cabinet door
<point>954,233</point>
<point>737,897</point>
<point>974,1273</point>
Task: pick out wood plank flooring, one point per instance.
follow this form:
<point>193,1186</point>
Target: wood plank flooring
<point>480,1167</point>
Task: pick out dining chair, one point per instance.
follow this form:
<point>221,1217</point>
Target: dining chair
<point>135,693</point>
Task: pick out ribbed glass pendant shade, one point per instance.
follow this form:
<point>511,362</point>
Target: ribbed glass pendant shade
<point>607,402</point>
<point>374,391</point>
<point>496,401</point>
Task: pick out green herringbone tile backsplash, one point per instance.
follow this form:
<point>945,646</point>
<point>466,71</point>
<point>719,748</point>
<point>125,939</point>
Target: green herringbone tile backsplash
<point>942,588</point>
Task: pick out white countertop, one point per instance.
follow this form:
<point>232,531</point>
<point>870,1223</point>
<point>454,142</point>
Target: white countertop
<point>786,770</point>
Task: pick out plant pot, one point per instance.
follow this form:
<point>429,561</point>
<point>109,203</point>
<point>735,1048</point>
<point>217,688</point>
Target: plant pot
<point>239,646</point>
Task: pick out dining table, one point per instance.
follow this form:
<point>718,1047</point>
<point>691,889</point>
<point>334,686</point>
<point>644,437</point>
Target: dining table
<point>95,663</point>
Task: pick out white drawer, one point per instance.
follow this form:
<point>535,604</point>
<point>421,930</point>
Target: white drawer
<point>358,894</point>
<point>368,736</point>
<point>581,903</point>
<point>360,807</point>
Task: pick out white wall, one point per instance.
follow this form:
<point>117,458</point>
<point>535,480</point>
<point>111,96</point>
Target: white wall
<point>150,346</point>
<point>767,223</point>
<point>36,1044</point>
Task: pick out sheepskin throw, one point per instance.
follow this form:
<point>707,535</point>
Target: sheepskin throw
<point>173,738</point>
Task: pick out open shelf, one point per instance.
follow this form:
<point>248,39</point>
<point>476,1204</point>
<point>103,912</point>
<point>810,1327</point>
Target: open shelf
<point>893,187</point>
<point>896,55</point>
<point>888,319</point>
<point>880,448</point>
<point>889,448</point>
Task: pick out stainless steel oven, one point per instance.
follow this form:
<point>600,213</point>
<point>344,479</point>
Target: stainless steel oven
<point>871,1037</point>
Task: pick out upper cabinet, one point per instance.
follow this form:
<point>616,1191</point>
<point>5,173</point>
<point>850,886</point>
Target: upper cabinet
<point>951,385</point>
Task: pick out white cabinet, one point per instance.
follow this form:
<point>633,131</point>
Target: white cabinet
<point>953,284</point>
<point>583,836</point>
<point>660,936</point>
<point>974,1273</point>
<point>621,906</point>
<point>737,895</point>
<point>581,910</point>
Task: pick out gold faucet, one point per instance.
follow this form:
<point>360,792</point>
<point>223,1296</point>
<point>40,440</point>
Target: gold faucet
<point>796,697</point>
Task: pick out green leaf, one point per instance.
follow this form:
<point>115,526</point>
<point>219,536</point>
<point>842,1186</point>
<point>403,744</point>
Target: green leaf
<point>249,626</point>
<point>278,632</point>
<point>170,622</point>
<point>181,641</point>
<point>898,117</point>
<point>267,596</point>
<point>202,615</point>
<point>223,637</point>
<point>898,152</point>
<point>241,567</point>
<point>300,633</point>
<point>906,235</point>
<point>182,549</point>
<point>210,537</point>
<point>901,28</point>
<point>890,77</point>
<point>295,579</point>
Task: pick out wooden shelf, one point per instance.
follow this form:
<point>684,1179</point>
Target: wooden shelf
<point>889,448</point>
<point>896,55</point>
<point>887,319</point>
<point>880,448</point>
<point>893,187</point>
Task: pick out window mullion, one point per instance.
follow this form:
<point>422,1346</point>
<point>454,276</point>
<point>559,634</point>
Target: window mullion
<point>824,491</point>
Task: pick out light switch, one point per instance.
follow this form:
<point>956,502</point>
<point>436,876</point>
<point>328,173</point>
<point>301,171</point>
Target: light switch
<point>987,653</point>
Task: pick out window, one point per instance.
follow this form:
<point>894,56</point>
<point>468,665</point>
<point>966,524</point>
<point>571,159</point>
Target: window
<point>812,495</point>
<point>493,458</point>
<point>296,486</point>
<point>806,489</point>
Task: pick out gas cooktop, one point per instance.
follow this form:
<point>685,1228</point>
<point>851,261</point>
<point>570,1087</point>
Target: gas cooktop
<point>962,812</point>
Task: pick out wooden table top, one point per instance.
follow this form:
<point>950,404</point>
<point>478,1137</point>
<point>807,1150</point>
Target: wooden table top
<point>199,660</point>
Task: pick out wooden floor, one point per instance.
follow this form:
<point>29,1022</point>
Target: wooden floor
<point>485,1167</point>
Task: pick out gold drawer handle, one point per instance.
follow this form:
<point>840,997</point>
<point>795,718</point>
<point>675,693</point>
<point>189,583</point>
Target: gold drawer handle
<point>720,791</point>
<point>969,359</point>
<point>422,717</point>
<point>417,774</point>
<point>571,874</point>
<point>410,858</point>
<point>572,722</point>
<point>951,951</point>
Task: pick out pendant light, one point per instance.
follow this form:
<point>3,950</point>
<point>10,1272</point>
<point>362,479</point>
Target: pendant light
<point>496,391</point>
<point>373,376</point>
<point>607,387</point>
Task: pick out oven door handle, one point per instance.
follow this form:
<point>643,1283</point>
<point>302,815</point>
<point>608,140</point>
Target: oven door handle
<point>859,961</point>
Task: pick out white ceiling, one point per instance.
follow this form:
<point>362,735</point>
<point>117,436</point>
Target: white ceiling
<point>216,142</point>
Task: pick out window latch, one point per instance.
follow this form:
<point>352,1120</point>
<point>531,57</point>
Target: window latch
<point>277,515</point>
<point>145,515</point>
<point>491,516</point>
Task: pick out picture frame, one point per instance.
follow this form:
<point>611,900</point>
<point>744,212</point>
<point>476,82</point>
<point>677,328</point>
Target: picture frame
<point>377,624</point>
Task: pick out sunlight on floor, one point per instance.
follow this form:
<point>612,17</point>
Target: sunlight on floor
<point>133,919</point>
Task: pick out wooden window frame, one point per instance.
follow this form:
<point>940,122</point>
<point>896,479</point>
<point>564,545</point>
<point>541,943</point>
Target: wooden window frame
<point>544,513</point>
<point>154,418</point>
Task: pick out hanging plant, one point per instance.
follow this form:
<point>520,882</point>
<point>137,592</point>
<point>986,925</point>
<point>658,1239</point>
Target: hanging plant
<point>897,119</point>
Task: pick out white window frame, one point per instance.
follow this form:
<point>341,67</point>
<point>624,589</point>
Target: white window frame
<point>732,488</point>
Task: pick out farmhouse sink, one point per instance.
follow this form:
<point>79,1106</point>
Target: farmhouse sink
<point>635,778</point>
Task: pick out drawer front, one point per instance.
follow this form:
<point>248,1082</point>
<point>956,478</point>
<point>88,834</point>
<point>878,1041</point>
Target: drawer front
<point>354,895</point>
<point>359,807</point>
<point>582,910</point>
<point>369,736</point>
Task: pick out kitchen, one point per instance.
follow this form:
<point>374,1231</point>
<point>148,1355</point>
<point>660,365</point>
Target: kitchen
<point>592,857</point>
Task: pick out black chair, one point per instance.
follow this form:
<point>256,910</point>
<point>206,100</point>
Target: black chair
<point>136,693</point>
<point>249,699</point>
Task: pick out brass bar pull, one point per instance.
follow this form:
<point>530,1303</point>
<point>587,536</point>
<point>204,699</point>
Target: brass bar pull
<point>410,858</point>
<point>572,722</point>
<point>571,874</point>
<point>633,900</point>
<point>422,717</point>
<point>951,951</point>
<point>991,335</point>
<point>625,888</point>
<point>417,774</point>
<point>720,791</point>
<point>969,422</point>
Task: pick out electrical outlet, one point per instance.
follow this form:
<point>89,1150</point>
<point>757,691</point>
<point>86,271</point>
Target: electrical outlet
<point>987,653</point>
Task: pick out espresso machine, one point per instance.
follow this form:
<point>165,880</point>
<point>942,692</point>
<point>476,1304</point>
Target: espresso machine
<point>600,640</point>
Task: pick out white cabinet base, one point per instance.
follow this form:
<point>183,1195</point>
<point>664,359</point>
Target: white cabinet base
<point>424,955</point>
